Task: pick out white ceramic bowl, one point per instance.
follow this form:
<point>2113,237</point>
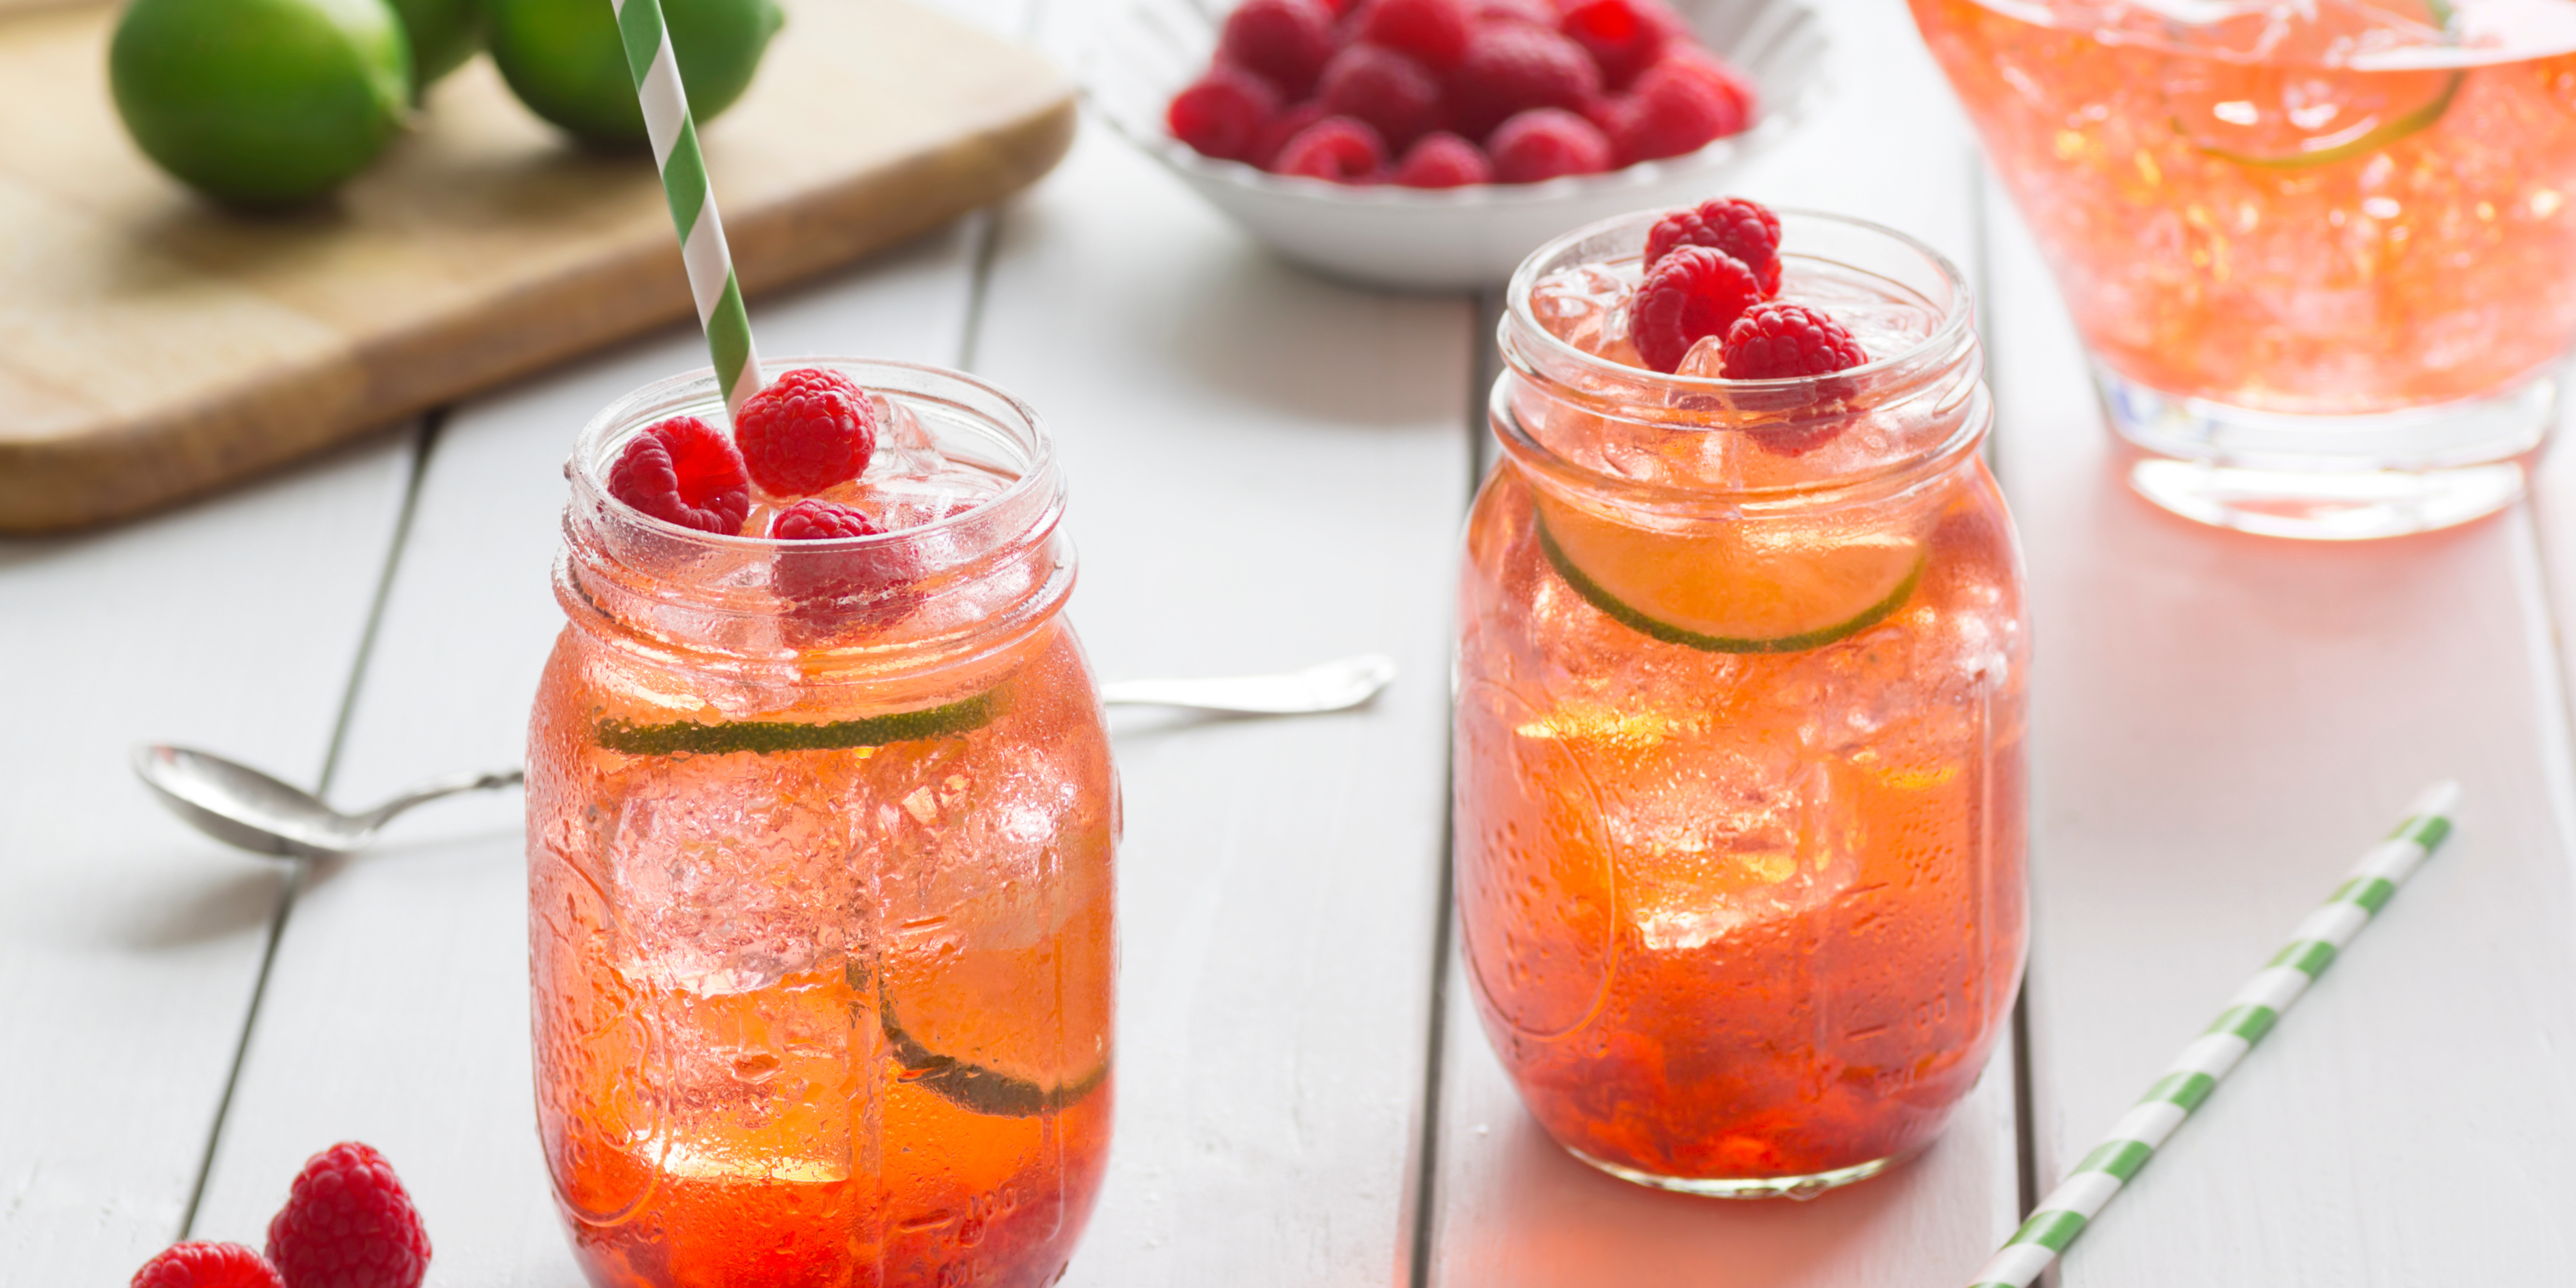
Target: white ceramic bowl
<point>1460,237</point>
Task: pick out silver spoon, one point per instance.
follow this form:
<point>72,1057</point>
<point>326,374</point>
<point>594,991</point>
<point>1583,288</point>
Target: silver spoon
<point>239,805</point>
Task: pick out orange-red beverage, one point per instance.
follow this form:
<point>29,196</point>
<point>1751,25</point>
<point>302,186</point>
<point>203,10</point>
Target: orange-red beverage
<point>820,874</point>
<point>1740,729</point>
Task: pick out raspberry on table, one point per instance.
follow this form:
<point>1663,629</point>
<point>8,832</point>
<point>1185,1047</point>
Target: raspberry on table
<point>207,1265</point>
<point>1668,115</point>
<point>1433,31</point>
<point>684,471</point>
<point>1336,149</point>
<point>1510,68</point>
<point>1624,37</point>
<point>1691,293</point>
<point>815,519</point>
<point>1283,127</point>
<point>1744,229</point>
<point>1286,42</point>
<point>348,1224</point>
<point>805,431</point>
<point>1397,96</point>
<point>1547,143</point>
<point>1223,113</point>
<point>1443,160</point>
<point>1781,341</point>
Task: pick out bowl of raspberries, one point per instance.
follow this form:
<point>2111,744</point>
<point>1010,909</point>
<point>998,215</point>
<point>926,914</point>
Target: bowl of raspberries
<point>1432,144</point>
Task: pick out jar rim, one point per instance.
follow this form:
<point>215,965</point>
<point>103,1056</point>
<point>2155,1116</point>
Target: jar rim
<point>674,395</point>
<point>1957,319</point>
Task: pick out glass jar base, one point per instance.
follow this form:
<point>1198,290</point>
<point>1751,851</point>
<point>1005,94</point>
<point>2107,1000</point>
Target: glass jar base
<point>2329,478</point>
<point>1767,1187</point>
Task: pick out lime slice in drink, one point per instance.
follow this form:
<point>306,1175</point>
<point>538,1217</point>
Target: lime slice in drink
<point>261,102</point>
<point>990,1031</point>
<point>1735,587</point>
<point>2290,119</point>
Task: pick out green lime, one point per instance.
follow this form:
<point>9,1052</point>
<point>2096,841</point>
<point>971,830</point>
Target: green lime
<point>444,33</point>
<point>564,59</point>
<point>1725,592</point>
<point>261,102</point>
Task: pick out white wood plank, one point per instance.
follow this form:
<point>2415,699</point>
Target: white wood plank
<point>129,945</point>
<point>1267,469</point>
<point>397,1012</point>
<point>2223,724</point>
<point>1512,1209</point>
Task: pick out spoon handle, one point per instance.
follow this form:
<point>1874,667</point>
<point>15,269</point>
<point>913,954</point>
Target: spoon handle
<point>1331,686</point>
<point>451,785</point>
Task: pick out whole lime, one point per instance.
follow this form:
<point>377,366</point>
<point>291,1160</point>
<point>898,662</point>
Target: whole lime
<point>565,60</point>
<point>444,33</point>
<point>261,102</point>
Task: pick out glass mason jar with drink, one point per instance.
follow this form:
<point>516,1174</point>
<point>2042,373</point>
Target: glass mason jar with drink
<point>1739,747</point>
<point>2324,254</point>
<point>821,818</point>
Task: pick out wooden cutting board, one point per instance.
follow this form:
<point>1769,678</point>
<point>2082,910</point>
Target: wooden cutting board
<point>153,346</point>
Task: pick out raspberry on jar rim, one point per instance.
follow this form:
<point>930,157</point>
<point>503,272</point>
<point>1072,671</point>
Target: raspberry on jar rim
<point>1692,293</point>
<point>806,430</point>
<point>1739,226</point>
<point>684,471</point>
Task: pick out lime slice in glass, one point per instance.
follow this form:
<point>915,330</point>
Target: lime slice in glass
<point>1737,587</point>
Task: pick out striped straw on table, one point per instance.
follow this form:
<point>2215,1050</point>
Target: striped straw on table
<point>693,199</point>
<point>2250,1015</point>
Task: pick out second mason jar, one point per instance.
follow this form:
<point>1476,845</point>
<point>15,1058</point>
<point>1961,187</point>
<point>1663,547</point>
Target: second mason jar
<point>1739,743</point>
<point>819,865</point>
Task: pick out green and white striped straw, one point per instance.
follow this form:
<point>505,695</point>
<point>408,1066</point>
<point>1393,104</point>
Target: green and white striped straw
<point>2251,1014</point>
<point>693,200</point>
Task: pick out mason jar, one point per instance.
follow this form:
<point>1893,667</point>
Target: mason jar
<point>820,871</point>
<point>1739,761</point>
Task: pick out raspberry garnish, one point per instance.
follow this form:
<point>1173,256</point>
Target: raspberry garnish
<point>348,1224</point>
<point>686,472</point>
<point>1546,143</point>
<point>1285,41</point>
<point>1434,31</point>
<point>815,519</point>
<point>1744,229</point>
<point>1443,160</point>
<point>1223,113</point>
<point>1670,113</point>
<point>1692,292</point>
<point>1336,149</point>
<point>207,1265</point>
<point>1779,341</point>
<point>1624,37</point>
<point>1397,96</point>
<point>1511,68</point>
<point>1535,13</point>
<point>805,431</point>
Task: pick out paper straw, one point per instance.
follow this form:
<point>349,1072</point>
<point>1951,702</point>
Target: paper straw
<point>2250,1015</point>
<point>693,200</point>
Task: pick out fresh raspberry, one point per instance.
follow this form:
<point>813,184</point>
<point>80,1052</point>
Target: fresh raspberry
<point>207,1265</point>
<point>1531,13</point>
<point>1443,160</point>
<point>348,1224</point>
<point>1510,68</point>
<point>1744,229</point>
<point>1780,341</point>
<point>1668,115</point>
<point>1283,127</point>
<point>684,471</point>
<point>1431,31</point>
<point>1336,149</point>
<point>805,431</point>
<point>1394,94</point>
<point>1545,143</point>
<point>1624,37</point>
<point>1683,58</point>
<point>1285,41</point>
<point>1692,292</point>
<point>1223,113</point>
<point>815,519</point>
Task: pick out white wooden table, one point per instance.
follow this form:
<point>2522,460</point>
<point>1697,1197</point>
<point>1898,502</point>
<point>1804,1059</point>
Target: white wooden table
<point>1269,469</point>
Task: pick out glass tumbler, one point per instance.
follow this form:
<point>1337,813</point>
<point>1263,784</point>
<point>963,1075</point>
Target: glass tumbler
<point>820,872</point>
<point>1739,744</point>
<point>2323,254</point>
